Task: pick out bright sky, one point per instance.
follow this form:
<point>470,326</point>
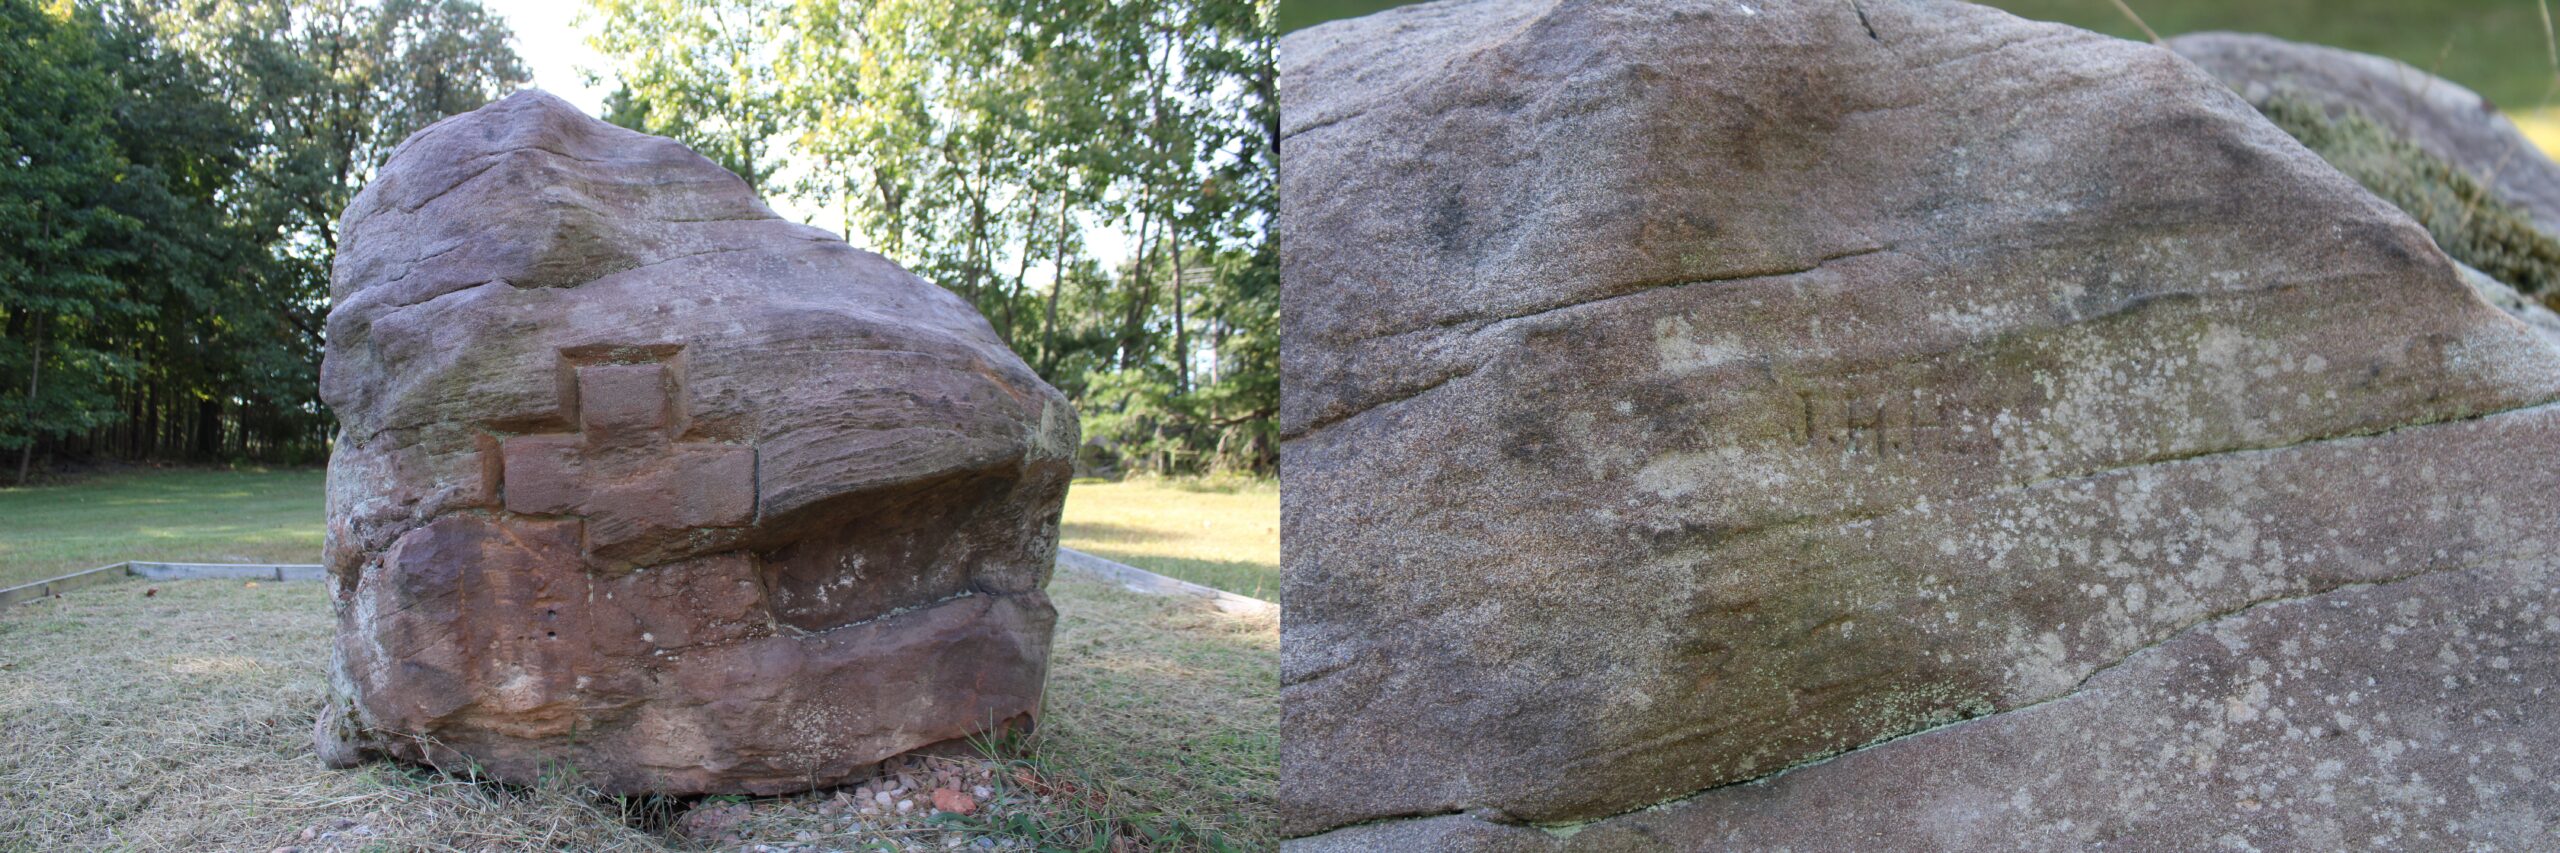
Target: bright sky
<point>555,47</point>
<point>548,38</point>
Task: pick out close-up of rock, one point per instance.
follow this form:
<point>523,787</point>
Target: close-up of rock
<point>1884,426</point>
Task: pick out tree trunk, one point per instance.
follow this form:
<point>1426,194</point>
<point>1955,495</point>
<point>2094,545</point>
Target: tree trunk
<point>1133,326</point>
<point>134,404</point>
<point>1030,240</point>
<point>154,421</point>
<point>1181,342</point>
<point>35,383</point>
<point>977,252</point>
<point>1049,324</point>
<point>1159,73</point>
<point>208,430</point>
<point>893,207</point>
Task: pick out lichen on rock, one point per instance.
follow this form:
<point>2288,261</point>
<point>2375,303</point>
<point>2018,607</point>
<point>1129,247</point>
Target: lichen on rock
<point>2441,153</point>
<point>2455,207</point>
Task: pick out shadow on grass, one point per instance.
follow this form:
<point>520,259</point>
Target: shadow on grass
<point>1249,579</point>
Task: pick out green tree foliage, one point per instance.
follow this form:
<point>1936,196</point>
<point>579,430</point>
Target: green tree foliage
<point>62,200</point>
<point>984,143</point>
<point>699,71</point>
<point>171,173</point>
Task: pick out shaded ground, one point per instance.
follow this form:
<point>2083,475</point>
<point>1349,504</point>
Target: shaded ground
<point>182,720</point>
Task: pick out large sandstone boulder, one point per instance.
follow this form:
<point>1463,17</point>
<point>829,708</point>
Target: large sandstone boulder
<point>1681,393</point>
<point>636,479</point>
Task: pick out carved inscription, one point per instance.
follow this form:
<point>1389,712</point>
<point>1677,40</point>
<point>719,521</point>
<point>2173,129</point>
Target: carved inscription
<point>622,470</point>
<point>1885,424</point>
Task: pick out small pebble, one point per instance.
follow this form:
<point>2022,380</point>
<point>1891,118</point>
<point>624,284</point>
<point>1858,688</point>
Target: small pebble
<point>905,806</point>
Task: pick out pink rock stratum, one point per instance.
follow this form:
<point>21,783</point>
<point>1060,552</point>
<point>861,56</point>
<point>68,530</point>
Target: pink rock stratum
<point>637,479</point>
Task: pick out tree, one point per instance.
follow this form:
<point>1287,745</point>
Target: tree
<point>170,223</point>
<point>699,72</point>
<point>67,216</point>
<point>333,86</point>
<point>983,143</point>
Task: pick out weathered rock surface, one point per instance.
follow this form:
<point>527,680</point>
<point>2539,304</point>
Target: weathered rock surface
<point>1679,392</point>
<point>2437,114</point>
<point>637,479</point>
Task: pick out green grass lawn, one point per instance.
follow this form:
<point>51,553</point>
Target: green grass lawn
<point>2494,47</point>
<point>256,516</point>
<point>1224,534</point>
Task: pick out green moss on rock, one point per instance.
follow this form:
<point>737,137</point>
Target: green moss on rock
<point>2468,222</point>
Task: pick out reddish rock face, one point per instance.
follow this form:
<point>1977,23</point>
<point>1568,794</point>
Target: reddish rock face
<point>639,480</point>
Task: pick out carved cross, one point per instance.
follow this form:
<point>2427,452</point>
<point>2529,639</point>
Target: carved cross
<point>623,472</point>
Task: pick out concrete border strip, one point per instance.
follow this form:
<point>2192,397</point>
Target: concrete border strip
<point>1140,580</point>
<point>243,571</point>
<point>51,586</point>
<point>158,571</point>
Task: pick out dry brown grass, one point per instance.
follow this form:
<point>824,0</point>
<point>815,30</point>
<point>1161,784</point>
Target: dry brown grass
<point>182,721</point>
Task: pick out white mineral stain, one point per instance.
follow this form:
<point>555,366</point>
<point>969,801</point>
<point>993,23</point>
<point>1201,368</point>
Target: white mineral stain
<point>1677,346</point>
